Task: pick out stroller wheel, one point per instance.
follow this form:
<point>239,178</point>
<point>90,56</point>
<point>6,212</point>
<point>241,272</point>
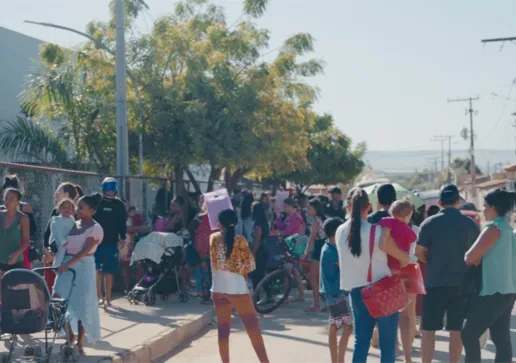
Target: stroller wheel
<point>66,353</point>
<point>150,299</point>
<point>38,352</point>
<point>164,297</point>
<point>28,351</point>
<point>76,354</point>
<point>183,297</point>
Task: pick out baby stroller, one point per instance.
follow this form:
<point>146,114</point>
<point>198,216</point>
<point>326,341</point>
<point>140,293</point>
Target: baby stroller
<point>161,268</point>
<point>28,308</point>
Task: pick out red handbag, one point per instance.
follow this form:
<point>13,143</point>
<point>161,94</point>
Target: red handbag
<point>412,278</point>
<point>386,296</point>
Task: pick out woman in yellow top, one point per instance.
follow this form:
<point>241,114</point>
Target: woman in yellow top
<point>231,261</point>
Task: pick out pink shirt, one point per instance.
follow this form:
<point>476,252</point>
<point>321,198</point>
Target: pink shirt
<point>402,234</point>
<point>75,244</point>
<point>292,225</point>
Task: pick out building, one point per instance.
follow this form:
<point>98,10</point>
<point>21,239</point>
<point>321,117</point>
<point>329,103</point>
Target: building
<point>19,55</point>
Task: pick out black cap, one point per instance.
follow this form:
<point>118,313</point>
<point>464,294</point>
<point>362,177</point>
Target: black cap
<point>449,194</point>
<point>336,190</point>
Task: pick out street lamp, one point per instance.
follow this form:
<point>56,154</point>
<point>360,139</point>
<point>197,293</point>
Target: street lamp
<point>122,148</point>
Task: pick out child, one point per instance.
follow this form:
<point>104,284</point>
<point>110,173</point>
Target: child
<point>398,228</point>
<point>60,227</point>
<point>337,300</point>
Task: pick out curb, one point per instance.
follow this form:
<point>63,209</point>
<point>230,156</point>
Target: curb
<point>165,342</point>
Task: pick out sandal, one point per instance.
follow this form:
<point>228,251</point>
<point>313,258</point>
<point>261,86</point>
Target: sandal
<point>312,309</point>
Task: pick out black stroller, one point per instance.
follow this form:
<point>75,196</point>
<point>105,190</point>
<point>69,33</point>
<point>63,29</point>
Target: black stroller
<point>159,279</point>
<point>28,308</point>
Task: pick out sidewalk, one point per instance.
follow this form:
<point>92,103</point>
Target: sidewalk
<point>136,333</point>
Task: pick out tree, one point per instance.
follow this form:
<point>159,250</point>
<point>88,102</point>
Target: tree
<point>464,166</point>
<point>201,93</point>
<point>24,137</point>
<point>60,93</point>
<point>331,160</point>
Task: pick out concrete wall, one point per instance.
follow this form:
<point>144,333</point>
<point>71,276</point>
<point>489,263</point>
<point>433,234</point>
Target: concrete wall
<point>16,60</point>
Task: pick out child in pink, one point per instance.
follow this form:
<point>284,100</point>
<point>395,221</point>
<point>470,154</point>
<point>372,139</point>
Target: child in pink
<point>398,227</point>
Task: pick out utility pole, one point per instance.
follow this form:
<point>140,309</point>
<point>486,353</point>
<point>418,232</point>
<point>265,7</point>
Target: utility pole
<point>472,165</point>
<point>122,138</point>
<point>442,139</point>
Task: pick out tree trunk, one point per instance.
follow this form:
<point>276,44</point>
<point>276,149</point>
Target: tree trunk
<point>214,176</point>
<point>195,183</point>
<point>232,179</point>
<point>181,190</point>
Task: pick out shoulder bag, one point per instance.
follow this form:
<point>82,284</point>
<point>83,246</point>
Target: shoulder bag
<point>386,296</point>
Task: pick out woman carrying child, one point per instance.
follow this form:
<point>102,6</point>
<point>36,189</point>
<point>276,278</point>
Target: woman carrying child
<point>397,227</point>
<point>354,240</point>
<point>82,241</point>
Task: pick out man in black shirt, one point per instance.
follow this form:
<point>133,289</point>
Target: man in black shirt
<point>335,209</point>
<point>443,241</point>
<point>112,217</point>
<point>386,195</point>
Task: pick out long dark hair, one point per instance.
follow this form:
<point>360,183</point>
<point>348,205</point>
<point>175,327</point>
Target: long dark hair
<point>70,189</point>
<point>228,220</point>
<point>502,200</point>
<point>359,202</point>
<point>246,206</point>
<point>259,215</point>
<point>319,208</point>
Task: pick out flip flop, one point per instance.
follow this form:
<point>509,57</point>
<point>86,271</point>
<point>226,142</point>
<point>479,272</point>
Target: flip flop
<point>311,309</point>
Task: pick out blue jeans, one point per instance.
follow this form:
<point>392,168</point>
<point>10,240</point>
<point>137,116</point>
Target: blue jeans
<point>364,325</point>
<point>197,277</point>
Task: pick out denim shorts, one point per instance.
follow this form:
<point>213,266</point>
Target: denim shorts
<point>107,258</point>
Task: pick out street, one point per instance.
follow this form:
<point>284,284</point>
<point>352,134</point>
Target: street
<point>293,336</point>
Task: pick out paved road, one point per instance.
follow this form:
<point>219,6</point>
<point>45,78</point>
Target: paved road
<point>290,336</point>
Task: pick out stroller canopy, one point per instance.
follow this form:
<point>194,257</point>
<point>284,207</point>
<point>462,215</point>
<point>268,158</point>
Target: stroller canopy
<point>153,246</point>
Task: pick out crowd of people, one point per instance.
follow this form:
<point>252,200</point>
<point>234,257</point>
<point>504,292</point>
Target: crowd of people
<point>469,275</point>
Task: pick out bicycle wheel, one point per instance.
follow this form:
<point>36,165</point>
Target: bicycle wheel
<point>272,291</point>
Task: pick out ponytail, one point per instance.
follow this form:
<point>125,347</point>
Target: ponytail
<point>359,201</point>
<point>228,220</point>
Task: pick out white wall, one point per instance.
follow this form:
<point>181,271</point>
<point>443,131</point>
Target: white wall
<point>16,60</point>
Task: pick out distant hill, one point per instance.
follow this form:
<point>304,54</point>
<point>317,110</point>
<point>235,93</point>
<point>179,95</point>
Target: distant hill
<point>408,161</point>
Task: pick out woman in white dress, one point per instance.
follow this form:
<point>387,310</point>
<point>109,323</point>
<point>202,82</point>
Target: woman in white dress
<point>83,308</point>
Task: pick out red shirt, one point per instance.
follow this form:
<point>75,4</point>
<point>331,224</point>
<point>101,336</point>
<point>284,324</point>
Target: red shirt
<point>202,236</point>
<point>402,234</point>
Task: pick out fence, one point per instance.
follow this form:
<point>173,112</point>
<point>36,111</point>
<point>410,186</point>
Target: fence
<point>38,185</point>
<point>148,195</point>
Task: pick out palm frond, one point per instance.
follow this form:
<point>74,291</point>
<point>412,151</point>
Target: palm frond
<point>23,137</point>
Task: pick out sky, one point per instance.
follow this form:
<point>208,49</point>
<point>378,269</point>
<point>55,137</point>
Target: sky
<point>390,65</point>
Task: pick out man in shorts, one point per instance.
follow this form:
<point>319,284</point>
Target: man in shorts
<point>443,241</point>
<point>112,217</point>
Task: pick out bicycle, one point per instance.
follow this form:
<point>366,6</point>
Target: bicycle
<point>276,285</point>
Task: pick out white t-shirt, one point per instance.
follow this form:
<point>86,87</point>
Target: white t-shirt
<point>354,270</point>
<point>228,283</point>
